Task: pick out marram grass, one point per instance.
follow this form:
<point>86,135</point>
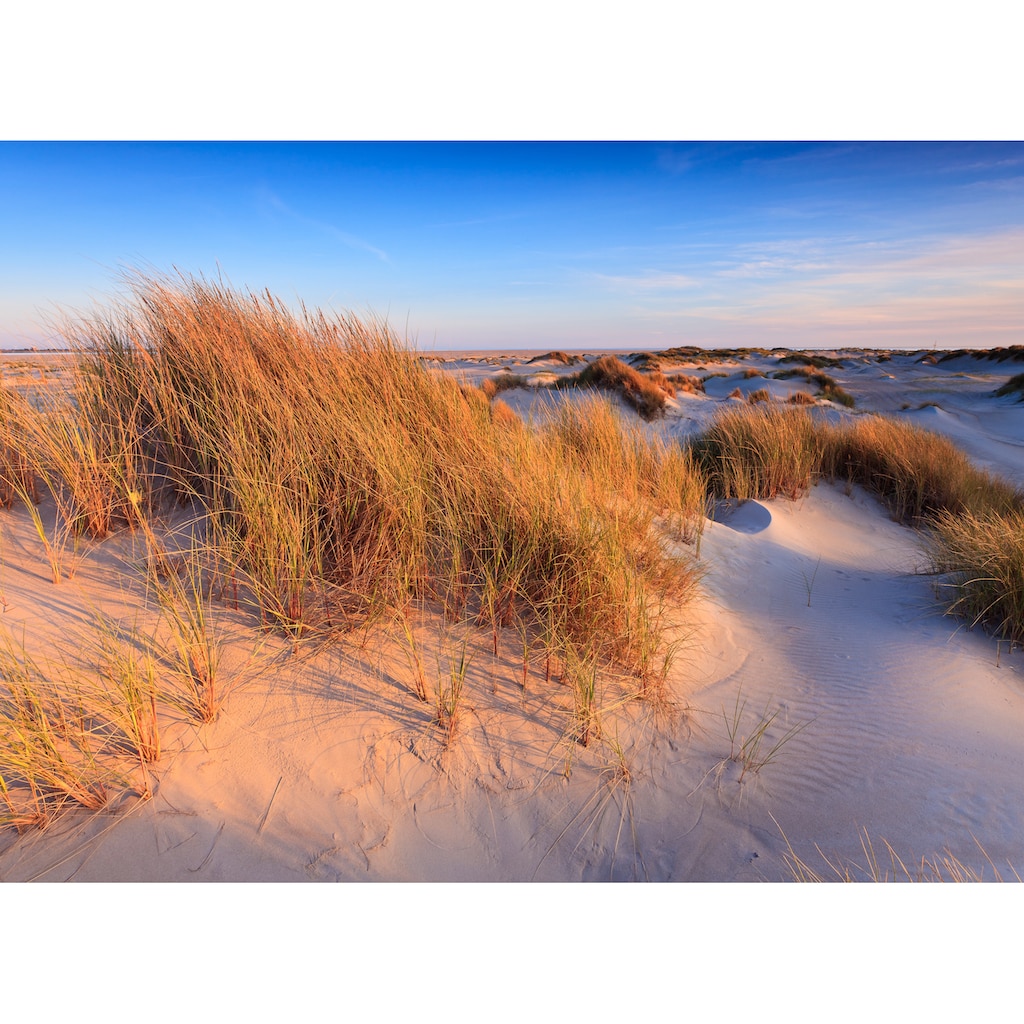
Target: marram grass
<point>340,479</point>
<point>336,481</point>
<point>972,521</point>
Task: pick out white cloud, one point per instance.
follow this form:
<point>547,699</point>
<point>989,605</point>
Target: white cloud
<point>651,281</point>
<point>345,237</point>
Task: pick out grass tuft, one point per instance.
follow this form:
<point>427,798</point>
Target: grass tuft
<point>982,556</point>
<point>760,451</point>
<point>339,479</point>
<point>646,393</point>
<point>1014,386</point>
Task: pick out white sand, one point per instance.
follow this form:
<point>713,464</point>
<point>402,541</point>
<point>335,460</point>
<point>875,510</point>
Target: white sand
<point>324,767</point>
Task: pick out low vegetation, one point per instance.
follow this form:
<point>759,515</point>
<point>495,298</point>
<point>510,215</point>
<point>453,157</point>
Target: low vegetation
<point>801,398</point>
<point>334,481</point>
<point>1011,354</point>
<point>917,473</point>
<point>974,521</point>
<point>686,383</point>
<point>981,556</point>
<point>683,354</point>
<point>1014,386</point>
<point>767,449</point>
<point>818,362</point>
<point>886,865</point>
<point>555,357</point>
<point>493,386</point>
<point>760,451</point>
<point>828,388</point>
<point>645,392</point>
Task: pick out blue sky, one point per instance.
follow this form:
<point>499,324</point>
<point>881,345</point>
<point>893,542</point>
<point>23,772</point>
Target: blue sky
<point>541,245</point>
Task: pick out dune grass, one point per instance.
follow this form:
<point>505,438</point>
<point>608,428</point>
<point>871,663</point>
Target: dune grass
<point>493,386</point>
<point>768,449</point>
<point>817,362</point>
<point>801,398</point>
<point>760,451</point>
<point>334,481</point>
<point>883,866</point>
<point>555,357</point>
<point>918,474</point>
<point>972,521</point>
<point>1012,353</point>
<point>828,387</point>
<point>692,353</point>
<point>982,557</point>
<point>1013,386</point>
<point>50,743</point>
<point>686,383</point>
<point>644,392</point>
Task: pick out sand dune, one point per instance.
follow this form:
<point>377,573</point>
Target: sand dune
<point>885,715</point>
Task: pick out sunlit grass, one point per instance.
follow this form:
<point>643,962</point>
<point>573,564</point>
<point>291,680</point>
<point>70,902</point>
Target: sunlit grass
<point>644,392</point>
<point>333,481</point>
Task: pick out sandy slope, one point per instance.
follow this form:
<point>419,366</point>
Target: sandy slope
<point>325,767</point>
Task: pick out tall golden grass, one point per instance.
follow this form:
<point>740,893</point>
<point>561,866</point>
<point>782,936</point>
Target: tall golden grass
<point>645,392</point>
<point>332,481</point>
<point>339,479</point>
<point>335,481</point>
<point>919,474</point>
<point>972,521</point>
<point>981,554</point>
<point>763,450</point>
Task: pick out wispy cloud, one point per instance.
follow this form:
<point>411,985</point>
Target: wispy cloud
<point>1014,183</point>
<point>651,281</point>
<point>674,161</point>
<point>983,165</point>
<point>952,289</point>
<point>269,197</point>
<point>804,155</point>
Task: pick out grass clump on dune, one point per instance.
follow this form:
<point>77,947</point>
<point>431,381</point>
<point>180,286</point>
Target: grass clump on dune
<point>1014,386</point>
<point>1012,353</point>
<point>692,353</point>
<point>828,387</point>
<point>917,473</point>
<point>801,398</point>
<point>760,451</point>
<point>818,362</point>
<point>555,357</point>
<point>649,473</point>
<point>686,383</point>
<point>767,449</point>
<point>494,386</point>
<point>53,737</point>
<point>982,554</point>
<point>646,393</point>
<point>340,480</point>
<point>974,521</point>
